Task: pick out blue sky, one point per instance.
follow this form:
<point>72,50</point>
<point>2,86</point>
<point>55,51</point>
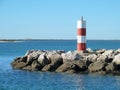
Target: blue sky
<point>56,19</point>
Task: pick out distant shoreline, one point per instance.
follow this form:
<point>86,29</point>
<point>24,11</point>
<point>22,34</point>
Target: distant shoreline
<point>5,40</point>
<point>14,40</point>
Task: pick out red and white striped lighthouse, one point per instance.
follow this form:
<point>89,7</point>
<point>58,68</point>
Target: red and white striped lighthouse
<point>81,35</point>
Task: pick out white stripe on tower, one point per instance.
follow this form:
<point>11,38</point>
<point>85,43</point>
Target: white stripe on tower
<point>81,35</point>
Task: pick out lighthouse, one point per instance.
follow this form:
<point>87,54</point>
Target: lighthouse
<point>81,35</point>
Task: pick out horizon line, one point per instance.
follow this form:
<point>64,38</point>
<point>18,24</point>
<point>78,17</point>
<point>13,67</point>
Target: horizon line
<point>50,39</point>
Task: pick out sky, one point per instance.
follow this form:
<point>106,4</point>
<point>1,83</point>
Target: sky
<point>57,19</point>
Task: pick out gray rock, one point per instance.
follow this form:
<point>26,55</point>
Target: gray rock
<point>97,66</point>
<point>89,50</point>
<point>118,50</point>
<point>55,63</point>
<point>100,51</point>
<point>48,67</point>
<point>110,67</point>
<point>21,59</point>
<point>19,62</point>
<point>91,57</point>
<point>70,56</point>
<point>31,57</point>
<point>35,66</point>
<point>71,71</point>
<point>50,54</point>
<point>116,59</point>
<point>87,63</point>
<point>18,65</point>
<point>30,51</point>
<point>43,59</point>
<point>66,66</point>
<point>81,65</point>
<point>102,72</point>
<point>58,51</point>
<point>102,58</point>
<point>111,57</point>
<point>108,52</point>
<point>24,59</point>
<point>27,68</point>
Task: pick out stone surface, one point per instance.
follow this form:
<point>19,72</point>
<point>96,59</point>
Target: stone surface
<point>66,66</point>
<point>81,65</point>
<point>100,51</point>
<point>108,52</point>
<point>31,57</point>
<point>48,67</point>
<point>97,66</point>
<point>29,52</point>
<point>116,59</point>
<point>118,50</point>
<point>92,57</point>
<point>70,56</point>
<point>56,60</point>
<point>36,66</point>
<point>102,58</point>
<point>18,65</point>
<point>89,50</point>
<point>43,59</point>
<point>98,61</point>
<point>110,67</point>
<point>70,71</point>
<point>27,68</point>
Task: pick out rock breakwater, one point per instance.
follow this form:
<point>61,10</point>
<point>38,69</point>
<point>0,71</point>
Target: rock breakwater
<point>92,61</point>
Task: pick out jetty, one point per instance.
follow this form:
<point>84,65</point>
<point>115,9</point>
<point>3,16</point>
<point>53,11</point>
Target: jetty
<point>100,61</point>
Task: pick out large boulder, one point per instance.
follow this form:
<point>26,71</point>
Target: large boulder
<point>56,60</point>
<point>102,58</point>
<point>18,65</point>
<point>70,56</point>
<point>48,67</point>
<point>36,66</point>
<point>21,59</point>
<point>111,57</point>
<point>97,66</point>
<point>110,67</point>
<point>30,51</point>
<point>50,53</point>
<point>89,50</point>
<point>118,50</point>
<point>67,66</point>
<point>58,51</point>
<point>100,51</point>
<point>31,57</point>
<point>43,60</point>
<point>19,62</point>
<point>81,65</point>
<point>116,59</point>
<point>108,52</point>
<point>91,57</point>
<point>27,68</point>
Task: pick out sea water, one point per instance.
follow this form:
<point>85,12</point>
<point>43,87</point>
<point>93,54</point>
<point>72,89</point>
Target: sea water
<point>11,79</point>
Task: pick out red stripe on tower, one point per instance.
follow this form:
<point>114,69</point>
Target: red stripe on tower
<point>81,35</point>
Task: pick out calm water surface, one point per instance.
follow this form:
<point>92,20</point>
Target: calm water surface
<point>23,80</point>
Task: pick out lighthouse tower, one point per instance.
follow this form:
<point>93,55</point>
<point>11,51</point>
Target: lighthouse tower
<point>81,35</point>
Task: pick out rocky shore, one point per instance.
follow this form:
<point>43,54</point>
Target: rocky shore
<point>92,61</point>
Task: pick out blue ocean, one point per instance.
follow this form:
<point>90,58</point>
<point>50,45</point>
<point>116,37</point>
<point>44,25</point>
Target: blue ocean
<point>11,79</point>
